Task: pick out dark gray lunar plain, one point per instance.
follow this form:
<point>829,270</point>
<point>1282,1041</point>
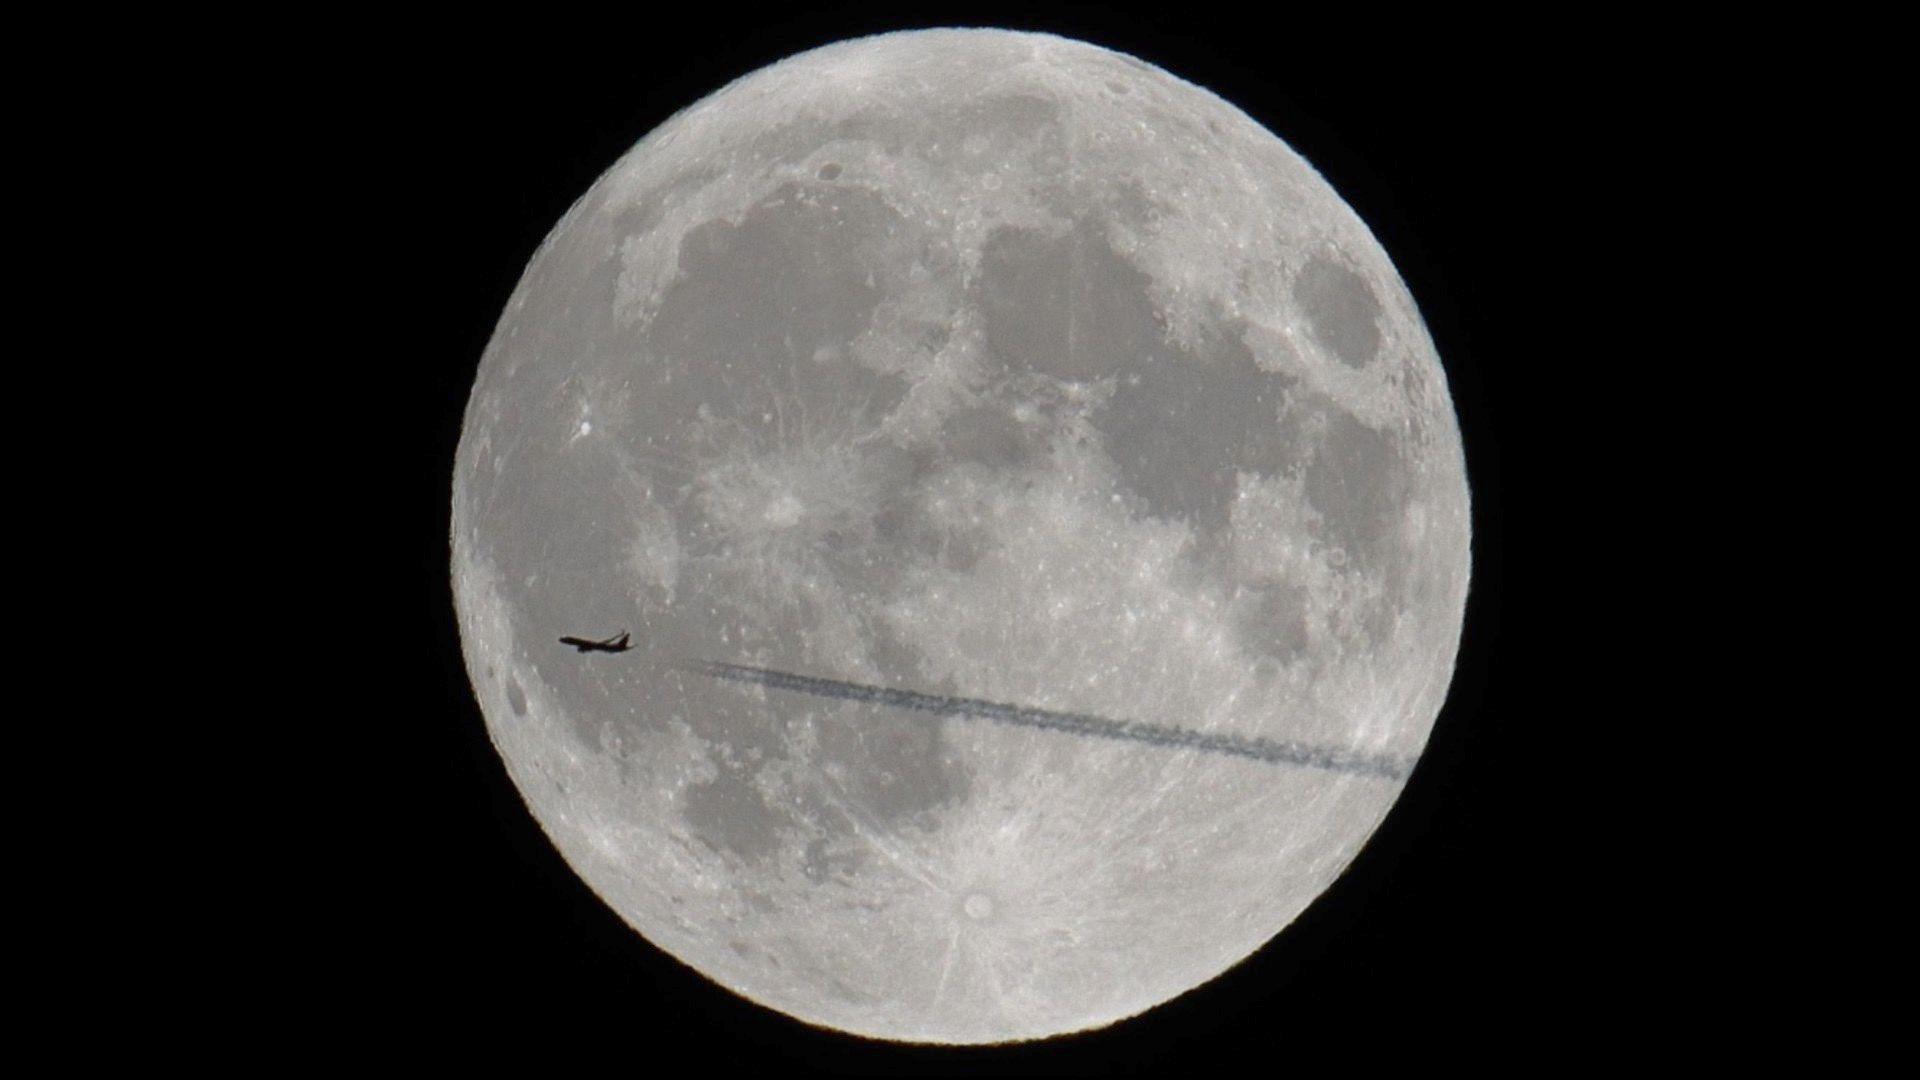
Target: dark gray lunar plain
<point>983,366</point>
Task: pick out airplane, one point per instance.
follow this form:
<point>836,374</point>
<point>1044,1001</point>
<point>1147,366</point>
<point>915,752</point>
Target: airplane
<point>616,643</point>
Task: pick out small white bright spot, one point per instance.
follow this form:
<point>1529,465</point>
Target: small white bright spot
<point>784,511</point>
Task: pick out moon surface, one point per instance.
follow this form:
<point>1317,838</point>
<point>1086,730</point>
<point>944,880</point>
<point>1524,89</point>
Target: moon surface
<point>928,375</point>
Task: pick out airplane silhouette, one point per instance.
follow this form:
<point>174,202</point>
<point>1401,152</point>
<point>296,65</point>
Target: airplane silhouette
<point>616,643</point>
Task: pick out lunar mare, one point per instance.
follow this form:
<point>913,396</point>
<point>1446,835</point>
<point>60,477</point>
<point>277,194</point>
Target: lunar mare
<point>1008,369</point>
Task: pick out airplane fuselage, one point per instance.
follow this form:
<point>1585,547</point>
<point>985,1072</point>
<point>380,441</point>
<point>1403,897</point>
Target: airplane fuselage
<point>619,643</point>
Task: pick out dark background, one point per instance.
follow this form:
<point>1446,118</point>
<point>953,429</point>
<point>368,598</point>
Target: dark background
<point>1471,154</point>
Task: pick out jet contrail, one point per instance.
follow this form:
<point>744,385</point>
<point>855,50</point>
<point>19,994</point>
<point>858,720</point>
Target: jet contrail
<point>1265,750</point>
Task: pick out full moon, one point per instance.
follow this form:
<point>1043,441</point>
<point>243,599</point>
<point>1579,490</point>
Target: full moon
<point>1037,509</point>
